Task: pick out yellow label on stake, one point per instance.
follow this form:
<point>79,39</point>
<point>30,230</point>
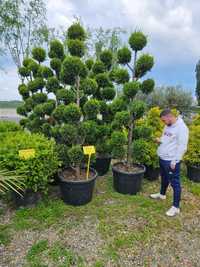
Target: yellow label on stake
<point>89,150</point>
<point>26,153</point>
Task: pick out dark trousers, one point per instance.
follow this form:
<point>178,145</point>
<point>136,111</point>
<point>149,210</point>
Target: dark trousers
<point>169,176</point>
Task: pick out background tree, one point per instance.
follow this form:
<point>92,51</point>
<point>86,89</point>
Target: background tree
<point>22,26</point>
<point>197,70</point>
<point>170,96</point>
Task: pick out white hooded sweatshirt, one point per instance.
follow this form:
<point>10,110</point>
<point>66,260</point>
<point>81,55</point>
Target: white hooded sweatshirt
<point>174,141</point>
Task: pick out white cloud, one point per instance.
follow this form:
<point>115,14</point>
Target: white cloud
<point>172,27</point>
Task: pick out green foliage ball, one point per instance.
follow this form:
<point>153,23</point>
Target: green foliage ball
<point>39,54</point>
<point>124,55</point>
<point>137,41</point>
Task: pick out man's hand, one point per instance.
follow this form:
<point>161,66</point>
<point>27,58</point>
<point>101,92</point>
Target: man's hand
<point>173,165</point>
<point>157,140</point>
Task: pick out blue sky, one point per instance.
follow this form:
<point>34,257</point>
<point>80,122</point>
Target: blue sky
<point>172,27</point>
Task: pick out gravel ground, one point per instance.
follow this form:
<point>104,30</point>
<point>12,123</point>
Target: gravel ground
<point>172,247</point>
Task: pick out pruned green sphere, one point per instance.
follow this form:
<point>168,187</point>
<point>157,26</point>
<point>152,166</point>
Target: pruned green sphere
<point>137,109</point>
<point>76,48</point>
<point>108,93</point>
<point>21,110</point>
<point>46,72</point>
<point>71,68</point>
<point>58,112</point>
<point>75,154</point>
<point>36,85</point>
<point>23,90</point>
<point>55,64</point>
<point>91,108</point>
<point>52,84</point>
<point>89,63</point>
<point>24,71</point>
<point>56,49</point>
<point>27,61</point>
<point>49,106</point>
<point>67,96</point>
<point>39,110</point>
<point>130,89</point>
<point>72,113</point>
<point>137,41</point>
<point>143,64</point>
<point>124,55</point>
<point>121,119</point>
<point>98,67</point>
<point>102,79</point>
<point>39,98</point>
<point>68,133</point>
<point>33,66</point>
<point>76,31</point>
<point>118,104</point>
<point>39,54</point>
<point>148,86</point>
<point>121,76</point>
<point>89,86</point>
<point>106,57</point>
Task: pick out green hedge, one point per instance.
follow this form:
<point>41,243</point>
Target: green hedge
<point>38,170</point>
<point>9,126</point>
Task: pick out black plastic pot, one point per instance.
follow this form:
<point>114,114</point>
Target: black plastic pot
<point>151,173</point>
<point>102,165</point>
<point>193,173</point>
<point>28,198</point>
<point>126,182</point>
<point>77,192</point>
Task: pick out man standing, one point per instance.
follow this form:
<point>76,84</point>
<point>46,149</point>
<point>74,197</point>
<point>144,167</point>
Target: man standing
<point>173,145</point>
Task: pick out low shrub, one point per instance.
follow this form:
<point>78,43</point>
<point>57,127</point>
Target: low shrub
<point>38,169</point>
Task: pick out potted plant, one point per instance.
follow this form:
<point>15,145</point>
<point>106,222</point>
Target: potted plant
<point>192,157</point>
<point>144,145</point>
<point>127,175</point>
<point>37,169</point>
<point>78,115</point>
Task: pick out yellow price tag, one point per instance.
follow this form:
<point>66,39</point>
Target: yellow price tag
<point>26,153</point>
<point>88,150</point>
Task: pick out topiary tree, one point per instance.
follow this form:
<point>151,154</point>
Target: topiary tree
<point>126,108</point>
<point>69,99</point>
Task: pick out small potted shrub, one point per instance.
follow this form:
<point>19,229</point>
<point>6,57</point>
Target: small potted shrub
<point>192,157</point>
<point>37,170</point>
<point>127,175</point>
<point>144,145</point>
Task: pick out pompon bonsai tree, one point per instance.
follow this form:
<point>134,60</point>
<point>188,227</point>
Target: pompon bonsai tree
<point>127,176</point>
<point>192,157</point>
<point>69,101</point>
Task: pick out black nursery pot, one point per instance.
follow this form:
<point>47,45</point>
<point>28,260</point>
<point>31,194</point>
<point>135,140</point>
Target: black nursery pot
<point>102,165</point>
<point>77,192</point>
<point>126,182</point>
<point>193,173</point>
<point>28,198</point>
<point>151,173</point>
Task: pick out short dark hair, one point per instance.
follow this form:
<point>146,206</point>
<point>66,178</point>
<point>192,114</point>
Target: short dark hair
<point>165,112</point>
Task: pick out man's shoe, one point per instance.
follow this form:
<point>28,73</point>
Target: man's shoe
<point>158,196</point>
<point>173,211</point>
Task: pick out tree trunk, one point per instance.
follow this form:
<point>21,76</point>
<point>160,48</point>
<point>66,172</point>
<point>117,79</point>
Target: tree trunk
<point>130,138</point>
<point>78,172</point>
<point>78,91</point>
<point>135,58</point>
